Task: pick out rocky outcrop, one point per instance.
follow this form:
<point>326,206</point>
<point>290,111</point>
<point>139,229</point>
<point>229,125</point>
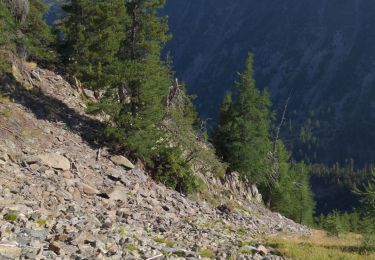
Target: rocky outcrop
<point>241,189</point>
<point>60,200</point>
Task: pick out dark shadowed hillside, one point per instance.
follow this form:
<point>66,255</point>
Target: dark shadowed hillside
<point>320,51</point>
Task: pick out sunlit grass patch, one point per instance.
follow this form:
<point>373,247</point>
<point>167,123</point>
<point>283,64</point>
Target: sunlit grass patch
<point>320,246</point>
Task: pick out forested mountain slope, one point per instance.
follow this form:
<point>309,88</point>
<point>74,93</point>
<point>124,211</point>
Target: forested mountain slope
<point>59,197</point>
<point>319,52</point>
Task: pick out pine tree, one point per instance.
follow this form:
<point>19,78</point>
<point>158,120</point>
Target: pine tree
<point>222,133</point>
<point>367,199</point>
<point>24,32</point>
<point>120,54</point>
<point>143,79</point>
<point>40,41</point>
<point>8,29</point>
<point>242,136</point>
<point>93,32</point>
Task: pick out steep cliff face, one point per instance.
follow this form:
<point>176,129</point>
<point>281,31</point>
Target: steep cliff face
<point>319,52</point>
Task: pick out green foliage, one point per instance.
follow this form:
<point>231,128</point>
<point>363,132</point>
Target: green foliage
<point>175,172</point>
<point>367,195</point>
<point>243,139</point>
<point>41,222</point>
<point>8,27</point>
<point>114,46</point>
<point>132,248</point>
<point>242,135</point>
<point>368,242</point>
<point>207,252</point>
<point>184,128</point>
<point>336,222</point>
<point>25,32</point>
<point>39,40</point>
<point>291,194</point>
<point>93,32</point>
<point>11,217</point>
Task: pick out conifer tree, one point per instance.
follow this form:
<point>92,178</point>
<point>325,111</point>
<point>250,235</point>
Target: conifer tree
<point>242,136</point>
<point>367,195</point>
<point>143,79</point>
<point>115,46</point>
<point>23,30</point>
<point>291,193</point>
<point>93,32</point>
<point>40,41</point>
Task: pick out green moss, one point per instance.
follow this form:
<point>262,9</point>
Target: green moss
<point>11,217</point>
<point>246,252</point>
<point>161,240</point>
<point>206,252</point>
<point>41,222</point>
<point>241,231</point>
<point>169,243</point>
<point>132,248</point>
<point>121,231</point>
<point>6,112</point>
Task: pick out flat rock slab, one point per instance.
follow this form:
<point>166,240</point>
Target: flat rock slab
<point>119,193</point>
<point>10,250</point>
<point>122,161</point>
<point>55,161</point>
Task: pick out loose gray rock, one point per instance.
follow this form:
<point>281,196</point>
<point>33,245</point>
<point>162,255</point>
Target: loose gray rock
<point>122,161</point>
<point>55,161</point>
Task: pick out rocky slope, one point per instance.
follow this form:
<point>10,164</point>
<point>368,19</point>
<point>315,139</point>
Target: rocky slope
<point>321,52</point>
<point>62,196</point>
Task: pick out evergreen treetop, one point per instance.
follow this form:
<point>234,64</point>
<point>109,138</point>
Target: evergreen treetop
<point>242,135</point>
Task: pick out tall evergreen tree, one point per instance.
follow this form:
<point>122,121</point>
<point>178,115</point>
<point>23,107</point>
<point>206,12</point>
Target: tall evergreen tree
<point>93,32</point>
<point>115,46</point>
<point>242,136</point>
<point>143,79</point>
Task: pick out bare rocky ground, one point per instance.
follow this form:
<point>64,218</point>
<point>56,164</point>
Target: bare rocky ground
<point>59,201</point>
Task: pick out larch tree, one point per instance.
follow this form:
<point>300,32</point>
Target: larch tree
<point>242,135</point>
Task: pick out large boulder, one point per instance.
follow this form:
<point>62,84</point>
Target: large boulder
<point>55,161</point>
<point>122,161</point>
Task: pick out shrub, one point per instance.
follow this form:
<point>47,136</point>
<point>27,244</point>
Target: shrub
<point>173,171</point>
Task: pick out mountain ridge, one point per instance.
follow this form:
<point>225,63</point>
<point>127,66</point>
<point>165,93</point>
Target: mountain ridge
<point>311,51</point>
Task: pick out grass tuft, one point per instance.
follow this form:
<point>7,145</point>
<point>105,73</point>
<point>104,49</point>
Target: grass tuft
<point>11,217</point>
<point>207,253</point>
<point>41,222</point>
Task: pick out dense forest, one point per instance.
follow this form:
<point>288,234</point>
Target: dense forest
<point>115,49</point>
